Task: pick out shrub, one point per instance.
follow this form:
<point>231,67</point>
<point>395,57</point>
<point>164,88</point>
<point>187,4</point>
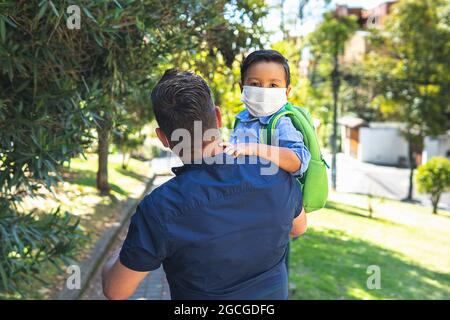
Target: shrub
<point>29,243</point>
<point>434,178</point>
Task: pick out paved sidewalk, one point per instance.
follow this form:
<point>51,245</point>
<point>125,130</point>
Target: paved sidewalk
<point>355,176</point>
<point>153,287</point>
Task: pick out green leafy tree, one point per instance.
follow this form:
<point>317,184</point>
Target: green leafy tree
<point>359,93</point>
<point>411,66</point>
<point>218,53</point>
<point>125,42</point>
<point>62,89</point>
<point>327,44</point>
<point>434,178</point>
<point>174,29</point>
<point>128,134</point>
<point>42,124</point>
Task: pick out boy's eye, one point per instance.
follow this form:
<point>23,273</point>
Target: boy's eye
<point>254,84</point>
<point>274,85</point>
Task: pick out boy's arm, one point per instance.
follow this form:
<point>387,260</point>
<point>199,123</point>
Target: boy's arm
<point>287,136</point>
<point>284,158</point>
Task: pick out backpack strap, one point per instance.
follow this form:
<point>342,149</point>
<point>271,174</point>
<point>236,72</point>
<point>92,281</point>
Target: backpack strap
<point>266,137</point>
<point>302,121</point>
<point>236,122</point>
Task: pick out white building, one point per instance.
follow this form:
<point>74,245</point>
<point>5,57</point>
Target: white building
<point>382,143</point>
<point>436,147</point>
<point>350,134</point>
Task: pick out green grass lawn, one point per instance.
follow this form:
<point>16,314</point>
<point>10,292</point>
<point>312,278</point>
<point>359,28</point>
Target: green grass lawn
<point>409,244</point>
<point>78,195</point>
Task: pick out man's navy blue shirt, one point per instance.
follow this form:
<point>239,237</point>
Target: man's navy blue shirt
<point>220,230</point>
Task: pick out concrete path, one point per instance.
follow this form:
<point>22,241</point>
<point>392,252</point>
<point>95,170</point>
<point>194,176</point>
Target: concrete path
<point>153,287</point>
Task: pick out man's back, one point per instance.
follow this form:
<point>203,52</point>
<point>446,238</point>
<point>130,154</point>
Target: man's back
<point>220,230</point>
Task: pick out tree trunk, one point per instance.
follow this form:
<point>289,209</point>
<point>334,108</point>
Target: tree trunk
<point>411,164</point>
<point>336,84</point>
<point>102,151</point>
<point>435,202</point>
<point>124,158</point>
<point>282,21</point>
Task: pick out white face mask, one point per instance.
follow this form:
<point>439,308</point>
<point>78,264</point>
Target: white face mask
<point>262,102</point>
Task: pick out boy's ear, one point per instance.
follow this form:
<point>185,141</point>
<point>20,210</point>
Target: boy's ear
<point>240,86</point>
<point>288,91</point>
<point>162,137</point>
<point>218,117</point>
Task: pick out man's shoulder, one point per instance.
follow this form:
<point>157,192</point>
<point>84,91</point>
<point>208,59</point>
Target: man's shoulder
<point>190,187</point>
<point>172,196</point>
<point>158,197</point>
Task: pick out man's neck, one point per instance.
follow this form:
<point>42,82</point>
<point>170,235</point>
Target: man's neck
<point>209,150</point>
<point>212,149</point>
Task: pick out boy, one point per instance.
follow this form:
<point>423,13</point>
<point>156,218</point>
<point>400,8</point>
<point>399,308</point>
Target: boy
<point>265,86</point>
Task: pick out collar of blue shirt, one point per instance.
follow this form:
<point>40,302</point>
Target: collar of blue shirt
<point>220,158</point>
<point>245,116</point>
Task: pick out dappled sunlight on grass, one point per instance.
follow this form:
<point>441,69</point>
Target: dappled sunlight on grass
<point>78,195</point>
<point>402,227</point>
<point>330,261</point>
<point>359,293</point>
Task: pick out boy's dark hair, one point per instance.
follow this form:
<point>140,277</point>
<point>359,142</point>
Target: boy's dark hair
<point>179,99</point>
<point>268,56</point>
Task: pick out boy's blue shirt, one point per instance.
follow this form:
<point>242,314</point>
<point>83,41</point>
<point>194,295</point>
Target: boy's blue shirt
<point>248,131</point>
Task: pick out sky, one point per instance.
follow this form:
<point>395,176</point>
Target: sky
<point>313,13</point>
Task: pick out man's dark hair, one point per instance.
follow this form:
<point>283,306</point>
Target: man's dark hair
<point>179,99</point>
<point>267,56</point>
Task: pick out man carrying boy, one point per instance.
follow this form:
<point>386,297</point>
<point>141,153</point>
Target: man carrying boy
<point>220,229</point>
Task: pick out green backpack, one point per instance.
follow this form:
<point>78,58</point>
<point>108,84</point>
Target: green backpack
<point>314,182</point>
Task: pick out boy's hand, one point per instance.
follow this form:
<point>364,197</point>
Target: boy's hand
<point>240,149</point>
<point>284,158</point>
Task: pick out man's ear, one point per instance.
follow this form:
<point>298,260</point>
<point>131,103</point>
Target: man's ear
<point>218,117</point>
<point>162,137</point>
<point>288,90</point>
